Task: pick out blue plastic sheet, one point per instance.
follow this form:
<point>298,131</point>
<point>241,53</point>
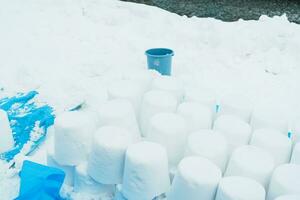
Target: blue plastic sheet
<point>39,182</point>
<point>25,116</point>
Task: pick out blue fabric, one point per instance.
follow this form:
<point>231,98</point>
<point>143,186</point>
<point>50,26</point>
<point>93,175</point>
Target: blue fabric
<point>39,182</point>
<point>24,115</point>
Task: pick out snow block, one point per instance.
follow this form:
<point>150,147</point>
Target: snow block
<point>236,131</point>
<point>83,183</point>
<point>209,144</point>
<point>169,130</point>
<point>72,137</point>
<point>233,104</point>
<point>273,141</point>
<point>296,154</point>
<point>128,90</point>
<point>197,116</point>
<point>106,161</point>
<point>119,113</point>
<point>68,170</point>
<point>146,171</point>
<point>200,95</point>
<point>40,182</point>
<point>6,136</point>
<point>285,180</point>
<point>252,162</point>
<point>155,101</point>
<point>169,84</point>
<point>242,188</point>
<point>196,178</point>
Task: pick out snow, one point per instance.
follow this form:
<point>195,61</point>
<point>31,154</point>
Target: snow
<point>155,101</point>
<point>170,130</point>
<point>197,178</point>
<point>106,160</point>
<point>273,141</point>
<point>285,180</point>
<point>288,197</point>
<point>71,51</point>
<point>72,137</point>
<point>196,115</point>
<point>209,144</point>
<point>236,131</point>
<point>296,154</point>
<point>7,140</point>
<point>146,171</point>
<point>252,162</point>
<point>242,188</point>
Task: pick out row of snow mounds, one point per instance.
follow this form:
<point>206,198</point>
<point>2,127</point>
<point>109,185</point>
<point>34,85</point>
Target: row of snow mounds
<point>154,137</point>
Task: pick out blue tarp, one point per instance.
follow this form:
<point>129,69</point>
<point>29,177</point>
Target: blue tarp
<point>39,182</point>
<point>25,115</point>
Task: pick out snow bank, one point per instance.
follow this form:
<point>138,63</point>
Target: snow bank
<point>285,180</point>
<point>209,144</point>
<point>7,140</point>
<point>242,188</point>
<point>153,102</point>
<point>196,178</point>
<point>252,162</point>
<point>146,171</point>
<point>196,115</point>
<point>106,160</point>
<point>273,141</point>
<point>170,130</point>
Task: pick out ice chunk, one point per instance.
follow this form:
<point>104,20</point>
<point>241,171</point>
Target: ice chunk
<point>196,178</point>
<point>197,116</point>
<point>128,90</point>
<point>236,131</point>
<point>241,188</point>
<point>153,102</point>
<point>169,84</point>
<point>83,183</point>
<point>106,161</point>
<point>237,105</point>
<point>146,171</point>
<point>169,129</point>
<point>6,137</point>
<point>209,144</point>
<point>72,137</point>
<point>274,142</point>
<point>119,113</point>
<point>296,154</point>
<point>285,180</point>
<point>69,170</point>
<point>252,162</point>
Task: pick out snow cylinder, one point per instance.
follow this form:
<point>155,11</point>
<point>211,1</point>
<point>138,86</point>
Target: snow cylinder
<point>196,178</point>
<point>209,144</point>
<point>285,180</point>
<point>146,171</point>
<point>242,188</point>
<point>6,137</point>
<point>273,141</point>
<point>160,59</point>
<point>106,160</point>
<point>169,130</point>
<point>252,162</point>
<point>155,101</point>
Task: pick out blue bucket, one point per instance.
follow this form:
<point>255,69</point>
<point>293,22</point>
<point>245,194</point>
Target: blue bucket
<point>160,59</point>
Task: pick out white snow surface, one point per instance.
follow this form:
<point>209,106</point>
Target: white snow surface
<point>70,51</point>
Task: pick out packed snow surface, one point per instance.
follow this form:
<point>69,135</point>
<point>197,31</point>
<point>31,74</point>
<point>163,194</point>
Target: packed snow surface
<point>71,52</point>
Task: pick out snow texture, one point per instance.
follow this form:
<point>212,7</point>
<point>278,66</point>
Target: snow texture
<point>296,154</point>
<point>7,140</point>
